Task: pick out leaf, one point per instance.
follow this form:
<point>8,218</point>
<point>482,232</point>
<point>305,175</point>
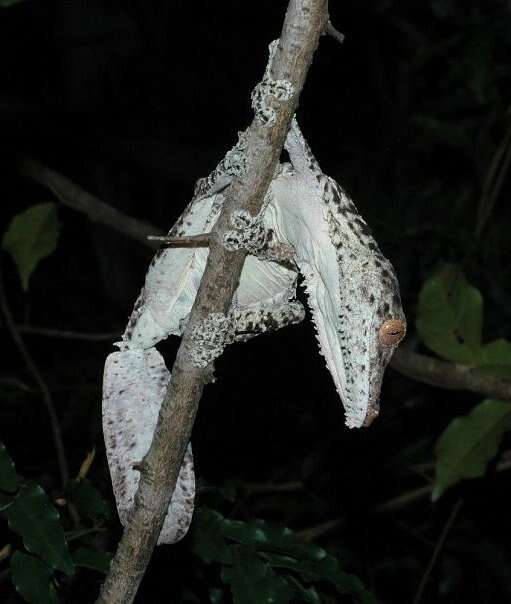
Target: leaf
<point>92,558</point>
<point>32,579</point>
<point>31,236</point>
<point>33,516</point>
<point>277,546</point>
<point>207,540</point>
<point>8,476</point>
<point>469,443</point>
<point>87,499</point>
<point>310,595</point>
<point>496,353</point>
<point>216,595</point>
<point>328,570</point>
<point>449,316</point>
<point>254,582</point>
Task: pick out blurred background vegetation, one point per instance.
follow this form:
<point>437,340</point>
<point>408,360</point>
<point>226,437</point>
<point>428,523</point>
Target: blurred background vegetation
<point>134,101</point>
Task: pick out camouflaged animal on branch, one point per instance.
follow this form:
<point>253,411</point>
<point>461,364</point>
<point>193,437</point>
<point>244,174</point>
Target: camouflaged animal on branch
<point>135,377</point>
<point>307,223</point>
<point>352,288</point>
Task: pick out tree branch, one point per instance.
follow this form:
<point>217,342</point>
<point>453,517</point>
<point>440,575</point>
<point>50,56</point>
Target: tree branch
<point>451,376</point>
<point>201,240</point>
<point>304,22</point>
<point>70,194</point>
<point>334,33</point>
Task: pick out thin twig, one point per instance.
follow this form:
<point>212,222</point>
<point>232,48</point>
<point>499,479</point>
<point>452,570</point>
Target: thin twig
<point>201,240</point>
<point>402,501</point>
<point>312,533</point>
<point>304,22</point>
<point>65,334</point>
<point>390,506</point>
<point>72,195</point>
<point>436,552</point>
<point>256,488</point>
<point>494,180</point>
<point>336,34</point>
<point>451,376</point>
<point>45,392</point>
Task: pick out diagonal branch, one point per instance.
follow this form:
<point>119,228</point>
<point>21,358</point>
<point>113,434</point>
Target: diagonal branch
<point>70,194</point>
<point>305,21</point>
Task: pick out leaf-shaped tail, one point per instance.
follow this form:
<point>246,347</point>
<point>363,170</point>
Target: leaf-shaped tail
<point>134,386</point>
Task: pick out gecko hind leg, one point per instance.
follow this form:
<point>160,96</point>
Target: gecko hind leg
<point>249,323</point>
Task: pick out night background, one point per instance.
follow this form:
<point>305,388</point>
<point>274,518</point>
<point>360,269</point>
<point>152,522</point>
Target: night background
<point>134,101</point>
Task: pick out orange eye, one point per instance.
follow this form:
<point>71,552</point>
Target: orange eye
<point>392,332</point>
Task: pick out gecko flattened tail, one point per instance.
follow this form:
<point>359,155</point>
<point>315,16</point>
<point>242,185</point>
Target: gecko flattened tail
<point>134,385</point>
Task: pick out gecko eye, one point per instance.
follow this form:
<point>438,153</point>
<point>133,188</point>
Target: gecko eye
<point>392,332</point>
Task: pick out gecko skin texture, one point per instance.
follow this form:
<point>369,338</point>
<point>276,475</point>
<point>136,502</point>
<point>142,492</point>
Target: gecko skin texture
<point>352,288</point>
<point>209,339</point>
<point>250,233</point>
<point>281,90</point>
<point>132,398</point>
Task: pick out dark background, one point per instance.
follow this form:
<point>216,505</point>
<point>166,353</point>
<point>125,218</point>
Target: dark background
<point>136,100</point>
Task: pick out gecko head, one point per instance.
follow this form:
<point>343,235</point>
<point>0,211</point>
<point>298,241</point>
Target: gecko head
<point>370,325</point>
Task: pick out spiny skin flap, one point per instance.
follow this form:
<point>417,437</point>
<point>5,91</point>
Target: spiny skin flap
<point>352,288</point>
<point>133,389</point>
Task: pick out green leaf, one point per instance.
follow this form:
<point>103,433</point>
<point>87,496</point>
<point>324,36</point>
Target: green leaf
<point>449,316</point>
<point>259,534</point>
<point>8,476</point>
<point>216,595</point>
<point>278,547</point>
<point>32,579</point>
<point>31,236</point>
<point>254,582</point>
<point>496,353</point>
<point>87,499</point>
<point>469,443</point>
<point>310,595</point>
<point>91,558</point>
<point>327,570</point>
<point>33,516</point>
<point>207,539</point>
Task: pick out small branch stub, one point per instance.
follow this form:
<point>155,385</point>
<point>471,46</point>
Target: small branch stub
<point>193,241</point>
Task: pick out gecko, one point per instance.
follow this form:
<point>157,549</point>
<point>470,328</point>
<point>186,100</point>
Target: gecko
<point>351,287</point>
